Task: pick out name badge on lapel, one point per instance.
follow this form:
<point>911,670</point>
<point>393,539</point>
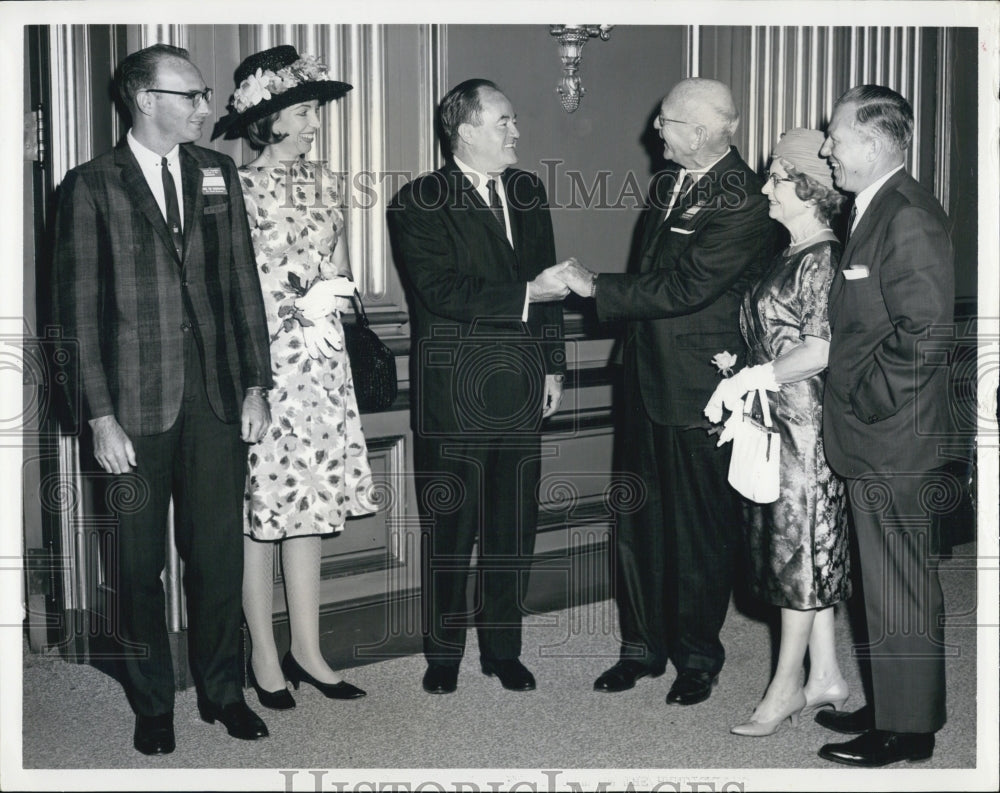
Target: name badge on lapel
<point>212,182</point>
<point>691,211</point>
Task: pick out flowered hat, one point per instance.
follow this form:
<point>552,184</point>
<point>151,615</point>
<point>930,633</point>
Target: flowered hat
<point>272,80</point>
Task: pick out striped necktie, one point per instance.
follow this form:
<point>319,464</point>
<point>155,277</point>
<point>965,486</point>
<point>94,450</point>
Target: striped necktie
<point>686,183</point>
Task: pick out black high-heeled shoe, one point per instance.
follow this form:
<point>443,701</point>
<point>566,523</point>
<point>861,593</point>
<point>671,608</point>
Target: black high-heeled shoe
<point>275,700</point>
<point>296,674</point>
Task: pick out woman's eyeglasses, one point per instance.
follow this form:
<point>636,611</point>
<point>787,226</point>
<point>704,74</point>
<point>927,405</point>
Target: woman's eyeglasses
<point>193,96</point>
<point>774,179</point>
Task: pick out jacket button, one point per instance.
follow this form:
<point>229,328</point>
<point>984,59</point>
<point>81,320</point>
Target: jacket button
<point>872,419</point>
<point>186,327</point>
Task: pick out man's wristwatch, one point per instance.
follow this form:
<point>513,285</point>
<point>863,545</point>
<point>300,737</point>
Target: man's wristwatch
<point>257,390</point>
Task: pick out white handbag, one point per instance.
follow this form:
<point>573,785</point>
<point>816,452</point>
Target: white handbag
<point>754,468</point>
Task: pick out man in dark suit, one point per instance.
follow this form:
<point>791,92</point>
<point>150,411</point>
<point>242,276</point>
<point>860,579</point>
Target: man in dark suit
<point>706,237</point>
<point>885,411</point>
<point>155,281</point>
<point>486,366</point>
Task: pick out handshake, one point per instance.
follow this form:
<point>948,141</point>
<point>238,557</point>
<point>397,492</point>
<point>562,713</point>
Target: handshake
<point>559,280</point>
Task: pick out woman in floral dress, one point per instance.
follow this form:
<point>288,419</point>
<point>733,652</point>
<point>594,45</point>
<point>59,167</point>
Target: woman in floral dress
<point>311,471</point>
<point>798,545</point>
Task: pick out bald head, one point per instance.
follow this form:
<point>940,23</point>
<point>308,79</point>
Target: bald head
<point>706,102</point>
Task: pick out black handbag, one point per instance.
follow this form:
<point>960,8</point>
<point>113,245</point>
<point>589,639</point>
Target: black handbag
<point>373,366</point>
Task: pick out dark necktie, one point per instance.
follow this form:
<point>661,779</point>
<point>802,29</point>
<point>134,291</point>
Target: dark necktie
<point>850,222</point>
<point>173,209</point>
<point>495,206</point>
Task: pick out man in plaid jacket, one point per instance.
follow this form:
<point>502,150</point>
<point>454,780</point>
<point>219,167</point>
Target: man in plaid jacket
<point>155,283</point>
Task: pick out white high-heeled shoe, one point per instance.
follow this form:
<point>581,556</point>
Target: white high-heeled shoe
<point>760,729</point>
<point>835,694</point>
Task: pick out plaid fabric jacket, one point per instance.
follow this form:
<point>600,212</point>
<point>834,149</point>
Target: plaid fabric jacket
<point>125,301</point>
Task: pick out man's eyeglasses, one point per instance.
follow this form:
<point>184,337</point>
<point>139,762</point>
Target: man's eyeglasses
<point>192,96</point>
<point>661,120</point>
<point>774,179</point>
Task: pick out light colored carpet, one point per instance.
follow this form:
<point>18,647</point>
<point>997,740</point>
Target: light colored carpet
<point>76,717</point>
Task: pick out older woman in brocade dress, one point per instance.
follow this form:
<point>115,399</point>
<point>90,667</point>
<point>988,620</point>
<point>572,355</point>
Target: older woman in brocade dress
<point>798,546</point>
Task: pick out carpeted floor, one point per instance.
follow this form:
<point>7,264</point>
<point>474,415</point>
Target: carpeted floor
<point>76,717</point>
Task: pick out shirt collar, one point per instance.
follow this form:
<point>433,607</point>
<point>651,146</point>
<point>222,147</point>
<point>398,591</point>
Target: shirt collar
<point>864,198</point>
<point>697,173</point>
<point>478,178</point>
<point>144,155</point>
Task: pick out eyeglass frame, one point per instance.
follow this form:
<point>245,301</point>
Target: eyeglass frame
<point>661,120</point>
<point>773,178</point>
<point>206,94</point>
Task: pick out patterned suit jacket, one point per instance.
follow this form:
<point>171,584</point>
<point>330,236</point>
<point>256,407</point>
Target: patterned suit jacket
<point>886,405</point>
<point>684,303</point>
<point>126,302</point>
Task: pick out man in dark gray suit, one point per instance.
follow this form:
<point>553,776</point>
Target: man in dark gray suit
<point>156,283</point>
<point>884,413</point>
<point>486,366</point>
<point>706,237</point>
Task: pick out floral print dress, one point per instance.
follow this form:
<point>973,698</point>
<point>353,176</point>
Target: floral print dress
<point>311,469</point>
<point>798,545</point>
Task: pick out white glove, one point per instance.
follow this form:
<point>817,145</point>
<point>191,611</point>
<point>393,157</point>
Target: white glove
<point>729,393</point>
<point>321,298</point>
<point>321,339</point>
<point>730,427</point>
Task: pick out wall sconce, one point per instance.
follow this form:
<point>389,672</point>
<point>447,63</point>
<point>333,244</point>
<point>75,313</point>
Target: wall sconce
<point>571,41</point>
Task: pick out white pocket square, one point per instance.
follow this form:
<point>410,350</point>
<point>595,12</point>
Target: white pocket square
<point>856,271</point>
<point>682,231</point>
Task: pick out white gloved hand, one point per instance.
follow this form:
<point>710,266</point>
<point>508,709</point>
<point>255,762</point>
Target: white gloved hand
<point>713,410</point>
<point>729,393</point>
<point>321,339</point>
<point>730,427</point>
<point>321,298</point>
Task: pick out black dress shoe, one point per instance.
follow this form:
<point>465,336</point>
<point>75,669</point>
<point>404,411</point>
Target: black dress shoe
<point>691,687</point>
<point>513,675</point>
<point>275,700</point>
<point>240,721</point>
<point>861,720</point>
<point>876,748</point>
<point>154,734</point>
<point>441,678</point>
<point>622,676</point>
<point>296,674</point>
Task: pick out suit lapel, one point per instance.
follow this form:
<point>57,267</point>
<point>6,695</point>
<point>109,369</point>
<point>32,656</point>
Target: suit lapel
<point>704,191</point>
<point>191,177</point>
<point>656,217</point>
<point>869,217</point>
<point>514,212</point>
<point>859,237</point>
<point>469,201</point>
<point>138,188</point>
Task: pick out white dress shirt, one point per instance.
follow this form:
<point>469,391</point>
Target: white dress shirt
<point>149,163</point>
